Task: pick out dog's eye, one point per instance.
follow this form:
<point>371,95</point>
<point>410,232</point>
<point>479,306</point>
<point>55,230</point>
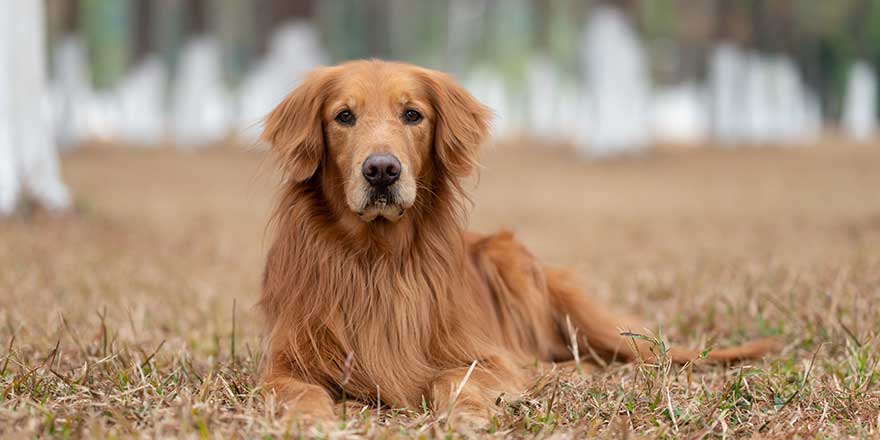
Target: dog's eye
<point>412,117</point>
<point>345,117</point>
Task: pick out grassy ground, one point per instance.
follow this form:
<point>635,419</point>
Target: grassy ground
<point>134,315</point>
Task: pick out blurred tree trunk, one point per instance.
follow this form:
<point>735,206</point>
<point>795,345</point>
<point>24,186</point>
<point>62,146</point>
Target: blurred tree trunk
<point>62,18</point>
<point>376,37</point>
<point>143,36</point>
<point>417,32</point>
<point>343,28</point>
<point>107,29</point>
<point>270,14</point>
<point>170,31</point>
<point>28,159</point>
<point>233,23</point>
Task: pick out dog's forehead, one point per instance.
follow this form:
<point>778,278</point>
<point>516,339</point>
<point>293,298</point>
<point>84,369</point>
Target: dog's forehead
<point>374,82</point>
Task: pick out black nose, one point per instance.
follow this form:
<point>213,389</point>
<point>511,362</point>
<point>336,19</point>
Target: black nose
<point>381,169</point>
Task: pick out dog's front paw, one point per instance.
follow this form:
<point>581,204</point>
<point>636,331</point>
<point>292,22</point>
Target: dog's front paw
<point>307,419</point>
<point>318,414</point>
<point>301,403</point>
<point>468,423</point>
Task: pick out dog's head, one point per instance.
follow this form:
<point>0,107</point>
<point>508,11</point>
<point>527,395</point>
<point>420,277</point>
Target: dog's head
<point>376,133</point>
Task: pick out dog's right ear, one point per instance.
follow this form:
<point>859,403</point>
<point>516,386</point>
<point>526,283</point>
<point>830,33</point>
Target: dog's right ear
<point>294,128</point>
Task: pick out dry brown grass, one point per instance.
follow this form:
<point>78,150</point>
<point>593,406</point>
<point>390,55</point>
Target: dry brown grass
<point>134,316</point>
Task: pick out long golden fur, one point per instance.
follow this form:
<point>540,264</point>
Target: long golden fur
<point>388,295</point>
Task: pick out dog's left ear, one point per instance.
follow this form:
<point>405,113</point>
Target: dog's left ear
<point>294,128</point>
<point>462,123</point>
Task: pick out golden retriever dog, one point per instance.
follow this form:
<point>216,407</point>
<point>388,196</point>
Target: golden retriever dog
<point>372,286</point>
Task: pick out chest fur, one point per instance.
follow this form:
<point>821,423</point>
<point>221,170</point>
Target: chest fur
<point>390,320</point>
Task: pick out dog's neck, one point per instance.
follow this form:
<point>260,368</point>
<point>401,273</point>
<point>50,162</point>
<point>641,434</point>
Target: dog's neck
<point>322,230</point>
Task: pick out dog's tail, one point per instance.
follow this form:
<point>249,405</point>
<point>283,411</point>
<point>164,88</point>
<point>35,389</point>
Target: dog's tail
<point>602,334</point>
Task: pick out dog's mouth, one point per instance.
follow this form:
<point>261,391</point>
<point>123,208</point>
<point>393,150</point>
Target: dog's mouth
<point>382,203</point>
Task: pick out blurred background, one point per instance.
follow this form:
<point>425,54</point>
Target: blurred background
<point>603,77</point>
